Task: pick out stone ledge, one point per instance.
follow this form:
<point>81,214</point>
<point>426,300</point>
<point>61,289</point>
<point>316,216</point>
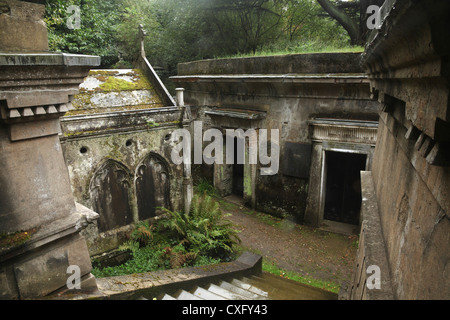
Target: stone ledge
<point>284,64</point>
<point>50,232</point>
<point>371,251</point>
<point>48,59</point>
<point>166,281</point>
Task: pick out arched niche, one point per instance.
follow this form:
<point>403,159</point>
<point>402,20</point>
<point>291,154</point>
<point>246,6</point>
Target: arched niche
<point>111,192</point>
<point>152,186</point>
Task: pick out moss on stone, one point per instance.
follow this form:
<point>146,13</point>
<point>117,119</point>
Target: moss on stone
<point>88,111</point>
<point>111,83</point>
<point>117,85</point>
<point>16,239</point>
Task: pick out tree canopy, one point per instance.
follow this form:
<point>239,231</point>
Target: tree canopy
<point>186,30</point>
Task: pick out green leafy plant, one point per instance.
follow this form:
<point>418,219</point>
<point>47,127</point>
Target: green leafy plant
<point>143,233</point>
<point>203,230</point>
<point>201,237</point>
<point>130,245</point>
<point>204,187</point>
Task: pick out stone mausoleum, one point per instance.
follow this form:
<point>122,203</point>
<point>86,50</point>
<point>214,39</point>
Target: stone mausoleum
<point>365,144</point>
<point>364,149</point>
<point>327,120</point>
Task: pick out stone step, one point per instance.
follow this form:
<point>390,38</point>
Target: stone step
<point>247,286</point>
<point>185,295</point>
<point>168,297</point>
<point>226,293</point>
<point>251,288</point>
<point>206,294</point>
<point>249,295</point>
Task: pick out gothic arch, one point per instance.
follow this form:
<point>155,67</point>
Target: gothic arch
<point>152,186</point>
<point>111,194</point>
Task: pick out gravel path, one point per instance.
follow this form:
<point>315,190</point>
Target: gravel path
<point>307,251</point>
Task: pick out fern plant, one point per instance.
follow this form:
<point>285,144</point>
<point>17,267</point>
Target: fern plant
<point>198,238</point>
<point>130,245</point>
<point>143,233</point>
<point>203,230</point>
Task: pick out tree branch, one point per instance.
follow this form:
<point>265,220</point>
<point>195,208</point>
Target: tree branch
<point>340,16</point>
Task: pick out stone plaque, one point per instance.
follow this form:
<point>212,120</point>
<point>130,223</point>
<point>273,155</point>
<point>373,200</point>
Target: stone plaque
<point>297,160</point>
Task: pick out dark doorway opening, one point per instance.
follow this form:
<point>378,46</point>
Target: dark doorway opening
<point>238,172</point>
<point>343,186</point>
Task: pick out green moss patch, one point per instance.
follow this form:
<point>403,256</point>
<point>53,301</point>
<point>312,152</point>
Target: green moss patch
<point>111,81</point>
<point>16,239</point>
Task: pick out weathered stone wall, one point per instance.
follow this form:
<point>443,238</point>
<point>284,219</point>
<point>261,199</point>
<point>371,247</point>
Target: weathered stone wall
<point>40,222</point>
<point>414,202</point>
<point>129,151</point>
<point>288,91</point>
<point>407,63</point>
<point>117,144</point>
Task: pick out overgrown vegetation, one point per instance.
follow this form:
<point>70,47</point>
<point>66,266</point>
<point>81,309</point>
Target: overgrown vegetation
<point>203,186</point>
<point>187,30</point>
<point>203,237</point>
<point>271,267</point>
<point>15,239</point>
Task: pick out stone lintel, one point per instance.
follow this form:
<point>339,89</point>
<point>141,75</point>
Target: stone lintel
<point>333,130</point>
<point>75,127</point>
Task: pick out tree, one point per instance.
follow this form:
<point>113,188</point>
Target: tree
<point>186,30</point>
<point>353,21</point>
<point>245,25</point>
<point>95,34</point>
<point>298,14</point>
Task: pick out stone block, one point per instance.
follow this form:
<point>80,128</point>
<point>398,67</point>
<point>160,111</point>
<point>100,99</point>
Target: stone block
<point>47,272</point>
<point>25,18</point>
<point>8,289</point>
<point>31,130</point>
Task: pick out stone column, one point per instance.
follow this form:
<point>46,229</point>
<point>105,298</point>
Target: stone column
<point>40,244</point>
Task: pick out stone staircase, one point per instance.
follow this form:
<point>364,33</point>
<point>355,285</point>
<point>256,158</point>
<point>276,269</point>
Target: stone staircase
<point>241,279</point>
<point>262,286</point>
<point>235,289</point>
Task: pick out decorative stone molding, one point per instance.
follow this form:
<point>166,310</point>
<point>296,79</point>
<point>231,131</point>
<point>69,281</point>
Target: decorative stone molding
<point>26,113</point>
<point>401,67</point>
<point>344,131</point>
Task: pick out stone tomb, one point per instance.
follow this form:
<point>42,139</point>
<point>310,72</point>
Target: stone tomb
<point>117,143</point>
<point>39,218</point>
